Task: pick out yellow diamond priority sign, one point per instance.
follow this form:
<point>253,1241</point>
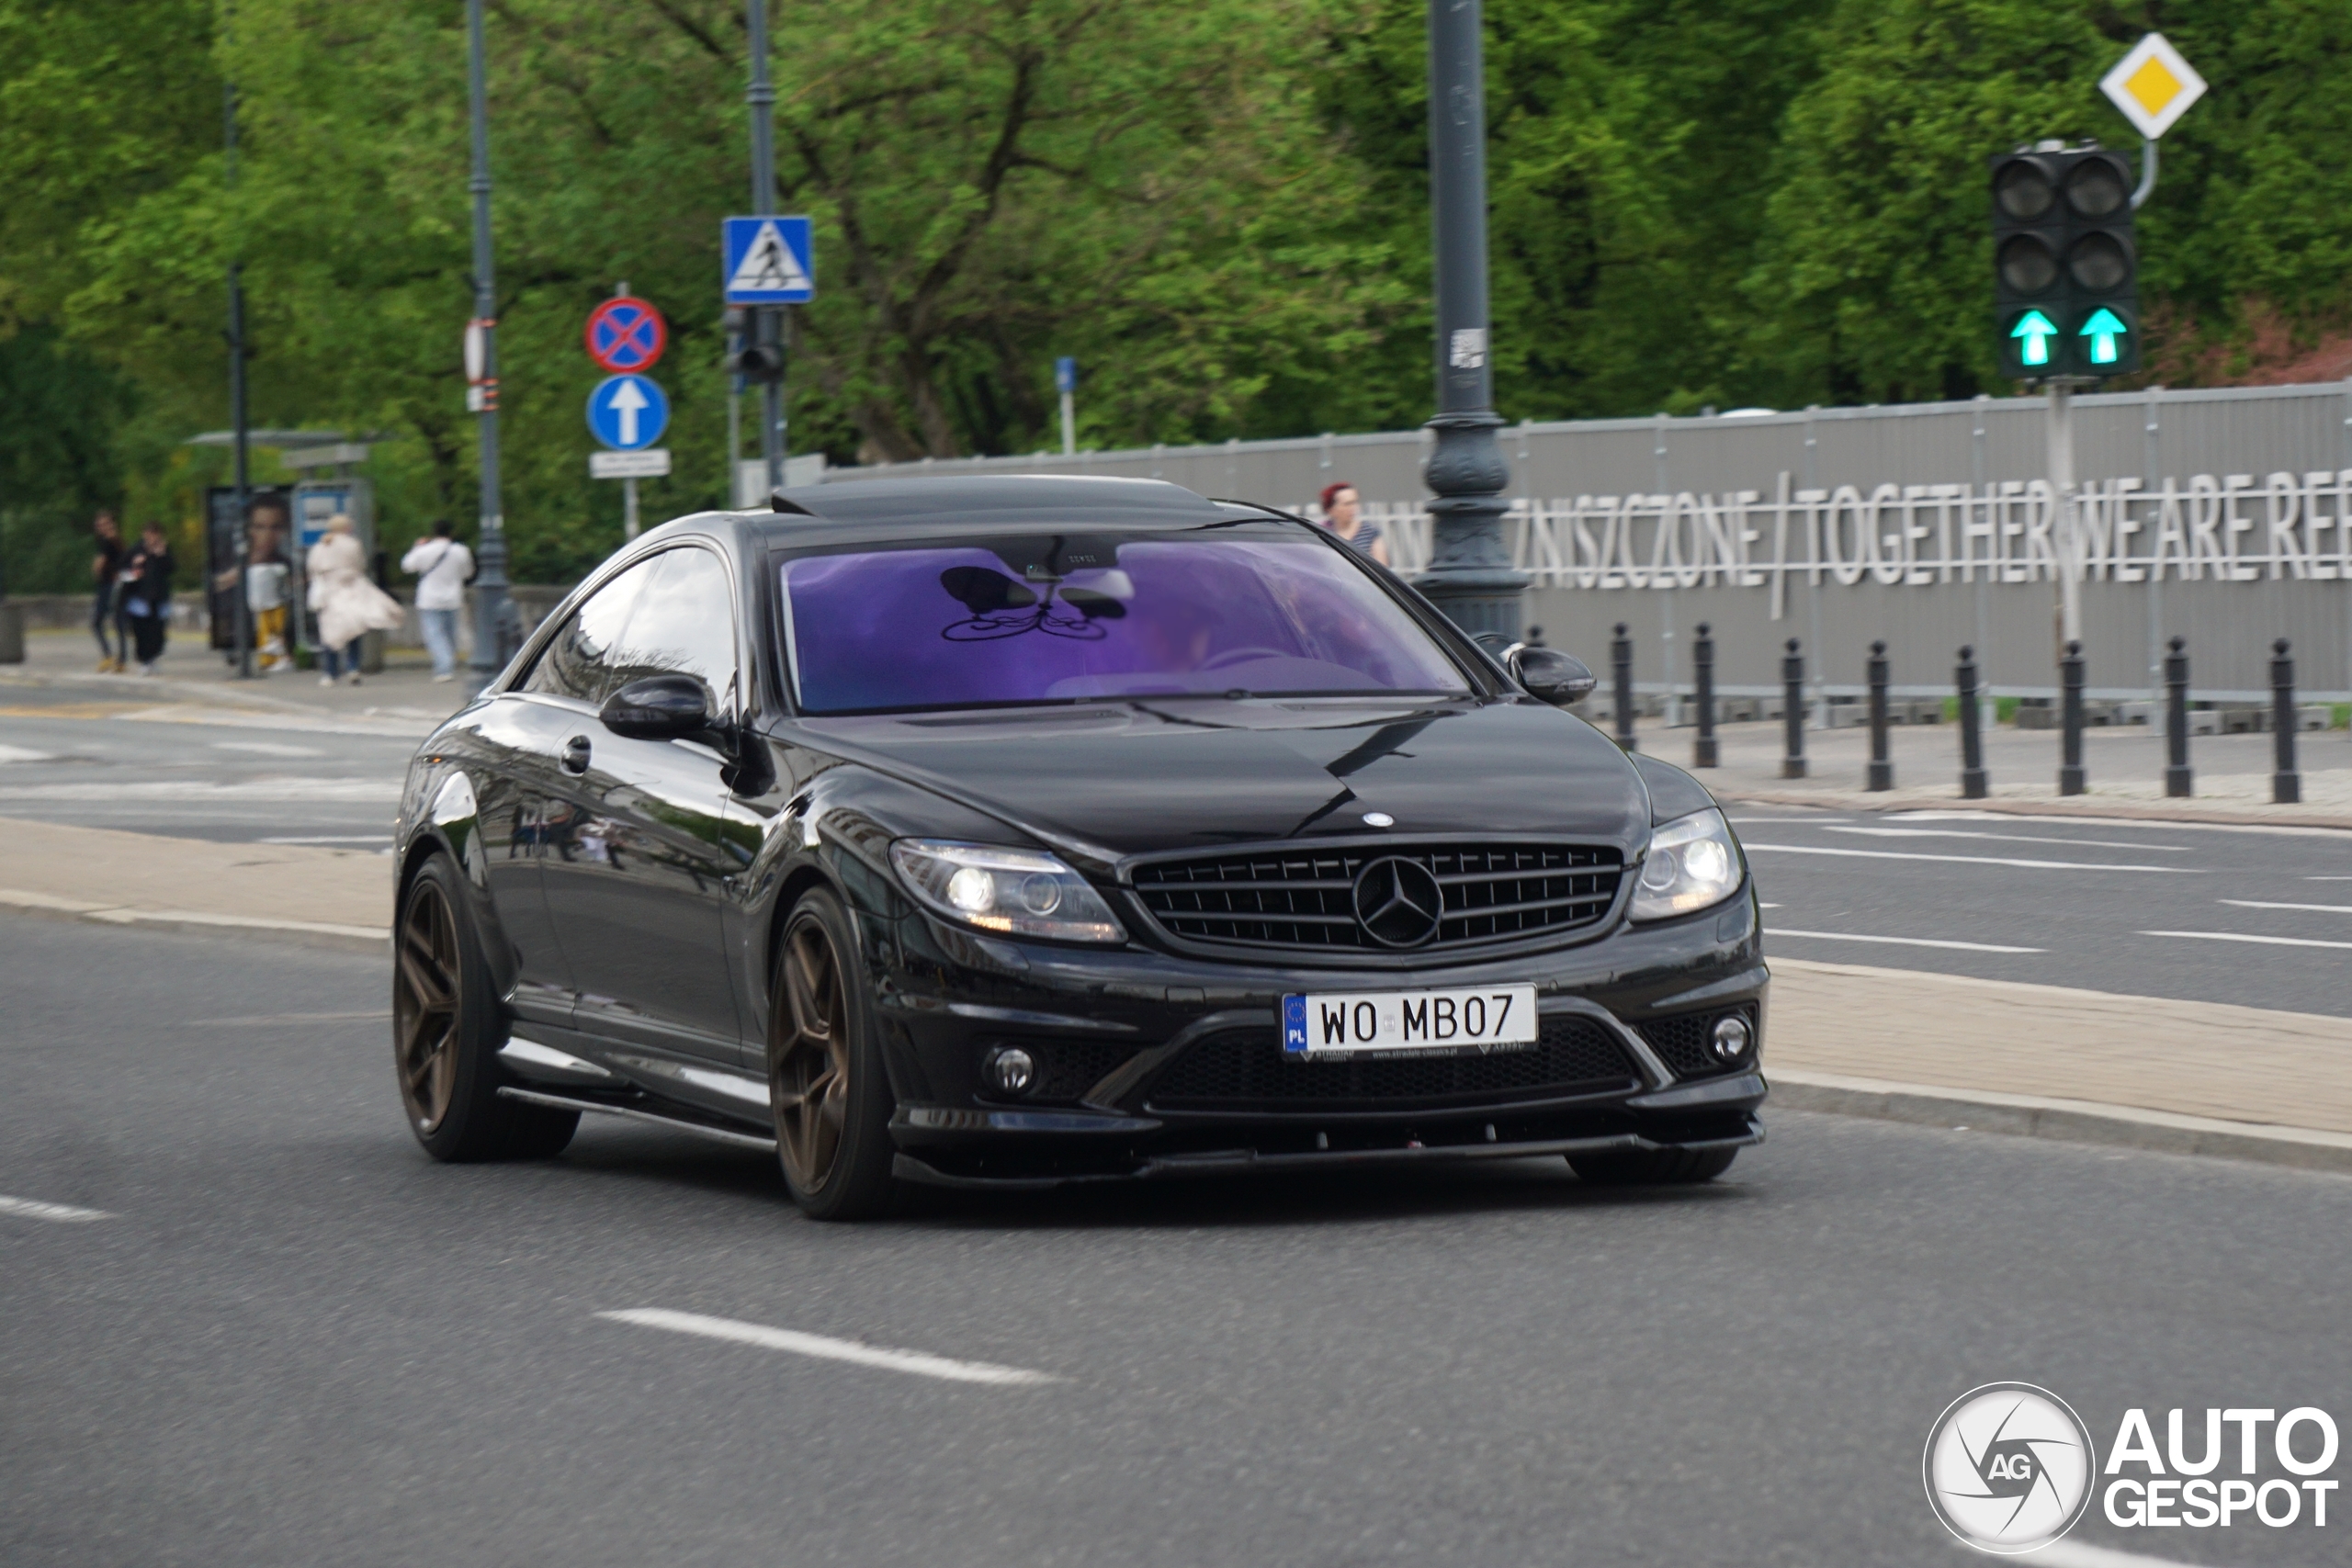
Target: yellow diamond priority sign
<point>2152,86</point>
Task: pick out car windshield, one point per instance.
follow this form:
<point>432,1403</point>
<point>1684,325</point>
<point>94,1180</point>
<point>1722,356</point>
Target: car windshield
<point>1073,618</point>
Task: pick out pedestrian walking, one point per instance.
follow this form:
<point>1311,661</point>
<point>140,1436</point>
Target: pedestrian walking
<point>442,567</point>
<point>1343,516</point>
<point>145,595</point>
<point>106,569</point>
<point>348,605</point>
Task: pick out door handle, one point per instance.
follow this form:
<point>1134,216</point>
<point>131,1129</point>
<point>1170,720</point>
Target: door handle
<point>575,754</point>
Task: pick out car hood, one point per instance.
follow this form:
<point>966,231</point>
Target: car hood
<point>1114,781</point>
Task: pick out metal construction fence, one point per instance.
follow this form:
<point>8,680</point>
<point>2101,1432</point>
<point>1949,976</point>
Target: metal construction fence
<point>2221,516</point>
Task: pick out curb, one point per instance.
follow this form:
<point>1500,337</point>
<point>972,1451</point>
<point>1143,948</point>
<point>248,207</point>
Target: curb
<point>308,934</point>
<point>2065,1120</point>
<point>1845,800</point>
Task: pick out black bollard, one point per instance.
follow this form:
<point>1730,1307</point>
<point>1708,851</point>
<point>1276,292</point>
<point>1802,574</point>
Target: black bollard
<point>2176,779</point>
<point>1792,711</point>
<point>1535,636</point>
<point>1882,766</point>
<point>1703,656</point>
<point>2285,784</point>
<point>2070,678</point>
<point>1973,785</point>
<point>1621,666</point>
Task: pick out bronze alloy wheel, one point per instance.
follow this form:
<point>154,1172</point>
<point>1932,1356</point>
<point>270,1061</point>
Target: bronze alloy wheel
<point>425,1006</point>
<point>812,1055</point>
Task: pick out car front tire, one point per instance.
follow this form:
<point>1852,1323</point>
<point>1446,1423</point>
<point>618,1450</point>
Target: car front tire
<point>447,1029</point>
<point>826,1084</point>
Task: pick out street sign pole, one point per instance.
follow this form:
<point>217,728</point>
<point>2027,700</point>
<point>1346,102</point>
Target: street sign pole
<point>490,581</point>
<point>1470,576</point>
<point>628,508</point>
<point>767,321</point>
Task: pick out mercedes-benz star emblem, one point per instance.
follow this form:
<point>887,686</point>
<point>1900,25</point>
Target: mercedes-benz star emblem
<point>1398,901</point>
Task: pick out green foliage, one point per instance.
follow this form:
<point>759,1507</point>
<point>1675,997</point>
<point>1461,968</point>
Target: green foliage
<point>1219,206</point>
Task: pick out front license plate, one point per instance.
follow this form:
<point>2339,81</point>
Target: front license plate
<point>1414,1024</point>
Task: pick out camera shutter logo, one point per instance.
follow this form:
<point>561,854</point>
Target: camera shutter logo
<point>2009,1467</point>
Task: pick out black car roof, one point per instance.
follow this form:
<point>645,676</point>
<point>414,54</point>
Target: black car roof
<point>990,499</point>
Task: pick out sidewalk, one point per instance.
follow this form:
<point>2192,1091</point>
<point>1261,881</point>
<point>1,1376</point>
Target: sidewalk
<point>2125,768</point>
<point>285,892</point>
<point>2198,1077</point>
<point>58,663</point>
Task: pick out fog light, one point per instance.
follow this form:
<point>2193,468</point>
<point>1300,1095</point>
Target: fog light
<point>1732,1037</point>
<point>1009,1070</point>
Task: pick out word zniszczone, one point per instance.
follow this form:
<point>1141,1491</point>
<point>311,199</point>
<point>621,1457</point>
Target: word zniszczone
<point>2229,529</point>
<point>2184,1497</point>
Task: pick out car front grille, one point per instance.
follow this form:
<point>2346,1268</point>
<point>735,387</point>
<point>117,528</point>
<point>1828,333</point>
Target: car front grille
<point>1305,898</point>
<point>1245,1069</point>
<point>1683,1041</point>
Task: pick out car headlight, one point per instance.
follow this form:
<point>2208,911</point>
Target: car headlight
<point>1693,862</point>
<point>1012,891</point>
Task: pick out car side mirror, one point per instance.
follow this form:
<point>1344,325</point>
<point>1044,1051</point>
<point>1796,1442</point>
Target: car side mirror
<point>1549,676</point>
<point>660,708</point>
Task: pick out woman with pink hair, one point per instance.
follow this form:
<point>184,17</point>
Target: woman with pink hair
<point>1343,515</point>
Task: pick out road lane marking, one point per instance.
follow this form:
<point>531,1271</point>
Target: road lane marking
<point>826,1349</point>
<point>2267,941</point>
<point>24,755</point>
<point>267,748</point>
<point>1802,821</point>
<point>258,1020</point>
<point>2314,909</point>
<point>1900,940</point>
<point>1967,860</point>
<point>329,838</point>
<point>2009,838</point>
<point>63,1213</point>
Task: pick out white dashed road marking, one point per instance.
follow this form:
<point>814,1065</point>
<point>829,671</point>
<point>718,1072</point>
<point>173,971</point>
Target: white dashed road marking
<point>2010,838</point>
<point>266,748</point>
<point>2267,941</point>
<point>2083,1555</point>
<point>2314,909</point>
<point>825,1349</point>
<point>63,1213</point>
<point>1968,859</point>
<point>1901,941</point>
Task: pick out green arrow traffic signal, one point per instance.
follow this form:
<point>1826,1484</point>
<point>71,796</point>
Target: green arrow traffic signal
<point>2035,329</point>
<point>2102,329</point>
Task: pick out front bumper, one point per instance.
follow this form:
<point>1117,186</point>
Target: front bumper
<point>1114,1027</point>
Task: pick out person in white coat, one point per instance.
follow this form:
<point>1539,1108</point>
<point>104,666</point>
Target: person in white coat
<point>442,567</point>
<point>348,605</point>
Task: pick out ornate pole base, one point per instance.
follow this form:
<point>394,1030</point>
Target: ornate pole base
<point>1471,577</point>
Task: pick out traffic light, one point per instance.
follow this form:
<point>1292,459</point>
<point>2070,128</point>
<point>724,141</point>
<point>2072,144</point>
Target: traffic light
<point>2065,274</point>
<point>761,363</point>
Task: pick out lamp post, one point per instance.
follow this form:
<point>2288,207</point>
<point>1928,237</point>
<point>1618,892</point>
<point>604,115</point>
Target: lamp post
<point>1470,576</point>
<point>490,582</point>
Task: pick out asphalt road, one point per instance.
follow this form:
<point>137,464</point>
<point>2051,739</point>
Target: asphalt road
<point>296,1340</point>
<point>2255,916</point>
<point>1945,890</point>
<point>196,772</point>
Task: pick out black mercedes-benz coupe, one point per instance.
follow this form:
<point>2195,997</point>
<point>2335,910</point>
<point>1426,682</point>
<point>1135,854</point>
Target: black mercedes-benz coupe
<point>1011,831</point>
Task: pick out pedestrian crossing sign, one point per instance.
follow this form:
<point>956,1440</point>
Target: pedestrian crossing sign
<point>769,261</point>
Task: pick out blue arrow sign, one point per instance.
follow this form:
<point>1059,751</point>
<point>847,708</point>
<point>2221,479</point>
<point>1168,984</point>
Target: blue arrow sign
<point>2103,329</point>
<point>768,261</point>
<point>627,414</point>
<point>2035,329</point>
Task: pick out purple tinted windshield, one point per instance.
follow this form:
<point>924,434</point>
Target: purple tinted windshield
<point>1057,618</point>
